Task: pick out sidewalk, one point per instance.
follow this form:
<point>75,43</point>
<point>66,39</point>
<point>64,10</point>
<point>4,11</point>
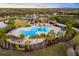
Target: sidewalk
<point>65,25</point>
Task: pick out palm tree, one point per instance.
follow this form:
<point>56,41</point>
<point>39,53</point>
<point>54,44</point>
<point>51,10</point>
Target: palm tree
<point>2,34</point>
<point>21,36</point>
<point>6,38</point>
<point>60,34</point>
<point>31,37</point>
<point>51,36</point>
<point>26,45</point>
<point>69,29</point>
<point>27,42</point>
<point>52,33</point>
<point>10,22</point>
<point>43,35</point>
<point>53,20</point>
<point>37,36</point>
<point>3,37</point>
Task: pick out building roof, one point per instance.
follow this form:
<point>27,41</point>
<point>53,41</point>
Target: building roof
<point>2,25</point>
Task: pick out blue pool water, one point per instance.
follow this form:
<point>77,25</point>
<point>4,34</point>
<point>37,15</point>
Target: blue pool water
<point>33,31</point>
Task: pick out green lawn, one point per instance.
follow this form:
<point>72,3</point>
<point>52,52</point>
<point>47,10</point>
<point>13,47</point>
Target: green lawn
<point>75,40</point>
<point>54,50</point>
<point>23,23</point>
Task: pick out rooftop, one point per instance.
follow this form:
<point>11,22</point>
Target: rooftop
<point>2,25</point>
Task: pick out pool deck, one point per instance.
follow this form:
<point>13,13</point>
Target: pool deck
<point>33,41</point>
<point>17,33</point>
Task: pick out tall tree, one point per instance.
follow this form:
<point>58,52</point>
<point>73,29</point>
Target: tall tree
<point>10,22</point>
<point>21,36</point>
<point>69,29</point>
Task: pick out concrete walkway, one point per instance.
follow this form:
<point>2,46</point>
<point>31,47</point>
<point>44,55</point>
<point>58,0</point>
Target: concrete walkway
<point>65,25</point>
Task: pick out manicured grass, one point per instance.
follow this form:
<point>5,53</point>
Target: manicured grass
<point>21,23</point>
<point>54,50</point>
<point>75,40</point>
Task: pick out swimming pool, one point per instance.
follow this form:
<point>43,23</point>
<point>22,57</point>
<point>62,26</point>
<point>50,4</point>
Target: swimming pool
<point>33,31</point>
